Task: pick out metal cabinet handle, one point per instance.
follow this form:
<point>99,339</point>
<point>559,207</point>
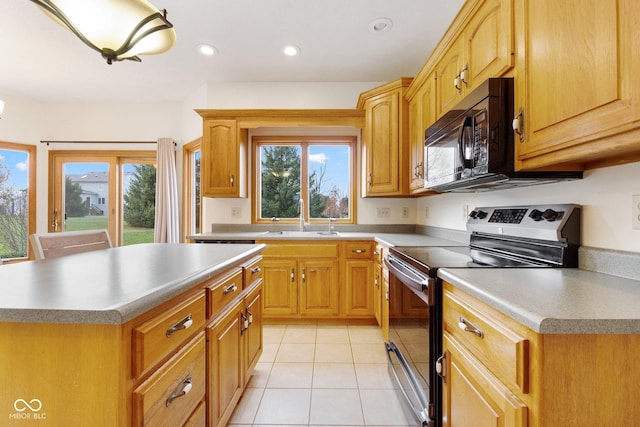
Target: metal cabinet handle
<point>358,251</point>
<point>182,390</point>
<point>467,326</point>
<point>463,75</point>
<point>518,124</point>
<point>181,325</point>
<point>256,270</point>
<point>456,83</point>
<point>441,369</point>
<point>229,289</point>
<point>304,275</point>
<point>293,275</point>
<point>245,323</point>
<point>232,180</point>
<point>249,316</point>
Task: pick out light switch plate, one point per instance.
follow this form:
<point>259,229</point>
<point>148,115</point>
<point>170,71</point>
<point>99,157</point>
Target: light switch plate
<point>635,212</point>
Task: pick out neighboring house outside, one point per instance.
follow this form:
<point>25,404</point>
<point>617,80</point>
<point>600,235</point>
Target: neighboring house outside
<point>95,189</point>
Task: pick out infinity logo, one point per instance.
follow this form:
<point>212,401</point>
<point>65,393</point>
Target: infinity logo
<point>21,405</point>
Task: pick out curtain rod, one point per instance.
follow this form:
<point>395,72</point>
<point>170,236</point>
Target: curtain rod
<point>101,142</point>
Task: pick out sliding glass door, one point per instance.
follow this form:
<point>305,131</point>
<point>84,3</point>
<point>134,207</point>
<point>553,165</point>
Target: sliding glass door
<point>113,191</point>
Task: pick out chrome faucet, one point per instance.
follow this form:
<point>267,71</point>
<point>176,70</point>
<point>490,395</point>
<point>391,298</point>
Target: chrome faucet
<point>301,212</point>
<point>331,224</point>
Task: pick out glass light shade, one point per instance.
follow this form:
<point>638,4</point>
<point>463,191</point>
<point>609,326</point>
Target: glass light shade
<point>110,26</point>
<point>1,106</point>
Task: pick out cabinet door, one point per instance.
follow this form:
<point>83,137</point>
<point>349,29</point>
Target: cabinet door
<point>449,86</point>
<point>220,162</point>
<point>579,63</point>
<point>279,287</point>
<point>489,43</point>
<point>377,293</point>
<point>382,152</point>
<point>225,362</point>
<point>318,282</point>
<point>359,289</point>
<point>472,396</point>
<point>252,335</point>
<point>422,114</point>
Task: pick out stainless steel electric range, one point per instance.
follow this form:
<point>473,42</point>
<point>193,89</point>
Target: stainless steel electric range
<point>542,236</point>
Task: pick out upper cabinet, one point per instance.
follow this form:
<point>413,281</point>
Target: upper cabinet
<point>385,140</point>
<point>422,113</point>
<point>576,81</point>
<point>484,48</point>
<point>223,163</point>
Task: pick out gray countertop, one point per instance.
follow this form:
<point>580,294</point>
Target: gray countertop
<point>555,301</point>
<point>387,239</point>
<point>110,286</point>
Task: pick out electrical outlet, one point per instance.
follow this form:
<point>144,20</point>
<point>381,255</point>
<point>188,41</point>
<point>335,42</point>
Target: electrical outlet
<point>236,212</point>
<point>426,211</point>
<point>382,213</point>
<point>405,212</point>
<point>465,212</point>
<point>635,212</point>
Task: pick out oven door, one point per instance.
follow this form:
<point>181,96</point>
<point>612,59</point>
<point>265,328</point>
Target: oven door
<point>410,350</point>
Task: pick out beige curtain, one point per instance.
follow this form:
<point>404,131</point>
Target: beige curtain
<point>167,216</point>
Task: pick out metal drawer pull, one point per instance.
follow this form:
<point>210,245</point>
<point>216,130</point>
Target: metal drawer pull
<point>182,390</point>
<point>256,270</point>
<point>358,251</point>
<point>245,323</point>
<point>467,326</point>
<point>183,324</point>
<point>250,314</point>
<point>441,367</point>
<point>229,289</point>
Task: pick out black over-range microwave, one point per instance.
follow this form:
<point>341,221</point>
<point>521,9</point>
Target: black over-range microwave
<point>471,148</point>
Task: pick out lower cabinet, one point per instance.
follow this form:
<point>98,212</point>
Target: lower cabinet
<point>472,396</point>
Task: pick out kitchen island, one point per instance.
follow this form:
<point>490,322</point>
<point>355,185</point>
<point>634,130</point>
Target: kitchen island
<point>122,336</point>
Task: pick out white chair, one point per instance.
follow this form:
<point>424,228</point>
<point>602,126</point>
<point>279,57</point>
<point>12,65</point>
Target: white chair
<point>54,245</point>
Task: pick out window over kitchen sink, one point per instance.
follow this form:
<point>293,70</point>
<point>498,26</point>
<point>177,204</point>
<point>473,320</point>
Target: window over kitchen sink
<point>317,170</point>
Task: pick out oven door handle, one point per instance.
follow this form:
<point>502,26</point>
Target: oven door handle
<point>427,286</point>
<point>422,411</point>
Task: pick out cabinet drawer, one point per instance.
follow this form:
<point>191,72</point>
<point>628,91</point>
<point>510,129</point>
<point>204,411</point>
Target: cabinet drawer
<point>173,392</point>
<point>300,250</point>
<point>503,351</point>
<point>223,291</point>
<point>161,335</point>
<point>252,272</point>
<point>358,250</point>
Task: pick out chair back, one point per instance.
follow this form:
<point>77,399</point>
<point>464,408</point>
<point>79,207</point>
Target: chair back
<point>54,245</point>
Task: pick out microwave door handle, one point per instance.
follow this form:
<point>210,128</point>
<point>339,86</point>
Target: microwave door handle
<point>466,162</point>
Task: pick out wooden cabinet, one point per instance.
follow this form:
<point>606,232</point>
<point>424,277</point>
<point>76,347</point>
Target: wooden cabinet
<point>301,279</point>
<point>385,150</point>
<point>358,283</point>
<point>484,48</point>
<point>381,290</point>
<point>224,159</point>
<point>498,372</point>
<point>422,113</point>
<point>252,334</point>
<point>576,81</point>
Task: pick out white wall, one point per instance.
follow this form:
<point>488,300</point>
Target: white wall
<point>605,195</point>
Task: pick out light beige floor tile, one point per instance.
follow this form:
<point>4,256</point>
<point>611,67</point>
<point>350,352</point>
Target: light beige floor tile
<point>300,334</point>
<point>369,353</point>
<point>300,353</point>
<point>336,406</point>
<point>373,376</point>
<point>334,375</point>
<point>291,375</point>
<point>273,333</point>
<point>332,334</point>
<point>383,408</point>
<point>365,335</point>
<point>284,406</point>
<point>247,407</point>
<point>260,375</point>
<point>333,353</point>
<point>269,352</point>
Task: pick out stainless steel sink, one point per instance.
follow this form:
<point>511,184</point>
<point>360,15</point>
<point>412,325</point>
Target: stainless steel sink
<point>301,233</point>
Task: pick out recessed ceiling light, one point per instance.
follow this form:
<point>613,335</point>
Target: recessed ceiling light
<point>380,25</point>
<point>207,49</point>
<point>291,50</point>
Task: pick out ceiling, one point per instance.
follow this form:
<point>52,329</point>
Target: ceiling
<point>44,62</point>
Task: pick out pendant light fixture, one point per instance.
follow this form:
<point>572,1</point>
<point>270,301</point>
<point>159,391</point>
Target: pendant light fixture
<point>118,29</point>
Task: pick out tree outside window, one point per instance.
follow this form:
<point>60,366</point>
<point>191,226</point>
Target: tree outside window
<point>319,172</point>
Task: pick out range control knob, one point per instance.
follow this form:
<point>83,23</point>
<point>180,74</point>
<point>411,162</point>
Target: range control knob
<point>550,215</point>
<point>473,214</point>
<point>481,214</point>
<point>535,215</point>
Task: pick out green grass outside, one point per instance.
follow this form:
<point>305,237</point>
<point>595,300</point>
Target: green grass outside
<point>131,235</point>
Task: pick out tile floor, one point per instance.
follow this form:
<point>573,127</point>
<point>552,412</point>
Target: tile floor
<point>312,375</point>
